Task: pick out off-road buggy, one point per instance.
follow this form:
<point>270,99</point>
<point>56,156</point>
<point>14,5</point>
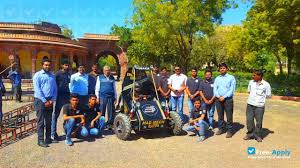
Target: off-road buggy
<point>141,108</point>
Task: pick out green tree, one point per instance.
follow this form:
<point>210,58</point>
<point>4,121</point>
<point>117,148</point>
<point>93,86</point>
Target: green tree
<point>67,32</point>
<point>171,25</point>
<point>125,35</point>
<point>273,25</point>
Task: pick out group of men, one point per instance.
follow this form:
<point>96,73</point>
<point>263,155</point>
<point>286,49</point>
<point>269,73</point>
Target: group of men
<point>204,95</point>
<point>82,98</point>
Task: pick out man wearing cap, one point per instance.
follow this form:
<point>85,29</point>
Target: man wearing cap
<point>45,93</point>
<point>106,94</point>
<point>224,87</point>
<point>63,95</point>
<point>79,85</point>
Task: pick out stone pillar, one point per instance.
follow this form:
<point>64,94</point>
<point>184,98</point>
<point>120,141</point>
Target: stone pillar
<point>33,62</point>
<point>123,61</point>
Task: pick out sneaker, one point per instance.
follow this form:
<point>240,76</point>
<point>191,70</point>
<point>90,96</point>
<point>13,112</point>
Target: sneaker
<point>210,128</point>
<point>68,142</point>
<point>43,144</point>
<point>229,135</point>
<point>201,138</point>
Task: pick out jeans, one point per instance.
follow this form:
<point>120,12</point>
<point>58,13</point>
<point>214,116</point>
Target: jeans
<point>70,125</point>
<point>226,106</point>
<point>62,99</point>
<point>109,103</point>
<point>191,106</point>
<point>203,125</point>
<point>256,113</point>
<point>43,119</point>
<point>210,112</point>
<point>177,103</point>
<point>98,127</point>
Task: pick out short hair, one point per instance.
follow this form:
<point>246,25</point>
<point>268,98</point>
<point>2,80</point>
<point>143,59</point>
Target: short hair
<point>194,68</point>
<point>45,59</point>
<point>164,68</point>
<point>73,95</point>
<point>258,72</point>
<point>223,65</point>
<point>208,70</point>
<point>197,99</point>
<point>106,67</point>
<point>92,96</point>
<point>81,65</point>
<point>64,61</point>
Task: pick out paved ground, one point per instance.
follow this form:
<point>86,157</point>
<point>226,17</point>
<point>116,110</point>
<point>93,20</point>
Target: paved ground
<point>156,149</point>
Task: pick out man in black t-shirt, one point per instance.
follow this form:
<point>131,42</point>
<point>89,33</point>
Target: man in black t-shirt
<point>94,121</point>
<point>198,121</point>
<point>192,89</point>
<point>206,89</point>
<point>73,119</point>
<point>164,91</point>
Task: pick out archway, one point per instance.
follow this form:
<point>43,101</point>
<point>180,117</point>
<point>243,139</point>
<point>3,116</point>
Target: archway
<point>107,54</point>
<point>4,63</point>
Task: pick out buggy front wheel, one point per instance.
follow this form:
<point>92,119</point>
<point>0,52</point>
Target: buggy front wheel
<point>175,123</point>
<point>122,126</point>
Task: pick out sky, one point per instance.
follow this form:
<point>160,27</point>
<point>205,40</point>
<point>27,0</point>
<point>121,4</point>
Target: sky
<point>89,16</point>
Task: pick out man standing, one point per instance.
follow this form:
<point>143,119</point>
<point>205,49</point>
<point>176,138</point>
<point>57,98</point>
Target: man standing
<point>79,85</point>
<point>106,94</point>
<point>15,77</point>
<point>63,95</point>
<point>94,121</point>
<point>2,91</point>
<point>45,93</point>
<point>207,94</point>
<point>92,79</point>
<point>177,85</point>
<point>258,90</point>
<point>164,91</point>
<point>192,89</point>
<point>224,88</point>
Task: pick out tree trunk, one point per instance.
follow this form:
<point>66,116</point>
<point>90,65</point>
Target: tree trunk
<point>290,56</point>
<point>280,64</point>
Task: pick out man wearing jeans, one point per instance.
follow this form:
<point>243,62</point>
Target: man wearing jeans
<point>192,89</point>
<point>74,120</point>
<point>15,77</point>
<point>177,85</point>
<point>45,93</point>
<point>224,87</point>
<point>94,120</point>
<point>208,99</point>
<point>258,90</point>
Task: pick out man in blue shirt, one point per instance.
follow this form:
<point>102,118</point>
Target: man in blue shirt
<point>63,95</point>
<point>2,91</point>
<point>106,94</point>
<point>79,85</point>
<point>15,77</point>
<point>224,87</point>
<point>45,93</point>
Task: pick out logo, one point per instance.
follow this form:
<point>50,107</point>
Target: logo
<point>149,109</point>
<point>251,150</point>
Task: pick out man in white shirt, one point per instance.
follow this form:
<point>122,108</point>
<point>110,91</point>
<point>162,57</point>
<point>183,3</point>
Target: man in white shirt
<point>177,85</point>
<point>258,90</point>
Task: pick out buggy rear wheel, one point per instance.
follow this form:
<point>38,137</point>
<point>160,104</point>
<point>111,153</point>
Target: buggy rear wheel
<point>122,126</point>
<point>175,123</point>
